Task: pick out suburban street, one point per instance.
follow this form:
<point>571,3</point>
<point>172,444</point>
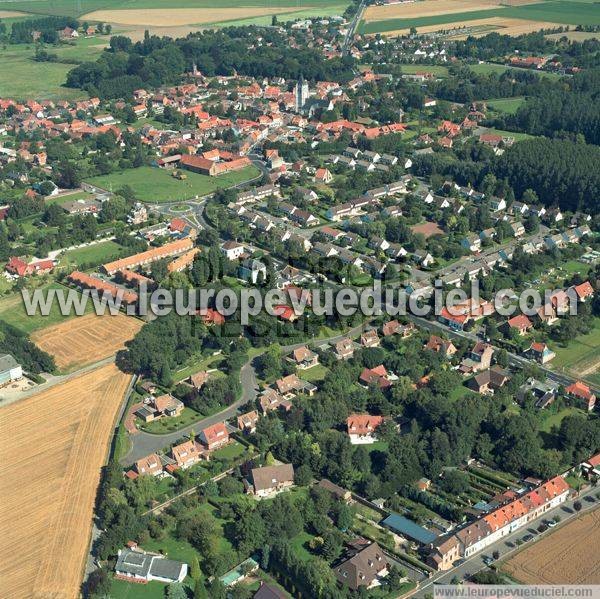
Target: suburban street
<point>145,443</point>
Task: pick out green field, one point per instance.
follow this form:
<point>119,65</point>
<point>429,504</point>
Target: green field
<point>565,12</point>
<point>157,185</point>
<point>12,311</point>
<point>517,136</point>
<point>71,8</point>
<point>436,69</point>
<point>487,67</point>
<point>506,105</point>
<point>21,77</point>
<point>580,356</point>
<point>93,254</point>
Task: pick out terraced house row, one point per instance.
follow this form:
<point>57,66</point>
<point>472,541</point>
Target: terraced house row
<point>513,513</point>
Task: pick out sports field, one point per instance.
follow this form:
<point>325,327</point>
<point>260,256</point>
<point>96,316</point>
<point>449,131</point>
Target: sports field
<point>157,185</point>
<point>52,446</point>
<point>434,15</point>
<point>86,339</point>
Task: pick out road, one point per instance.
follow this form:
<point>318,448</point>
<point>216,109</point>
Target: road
<point>513,359</point>
<point>352,28</point>
<point>53,380</point>
<point>143,443</point>
<point>475,563</point>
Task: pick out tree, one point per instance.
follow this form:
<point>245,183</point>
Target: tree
<point>200,590</point>
<point>98,583</point>
<point>176,591</point>
<point>345,517</point>
<point>195,568</point>
<point>394,578</point>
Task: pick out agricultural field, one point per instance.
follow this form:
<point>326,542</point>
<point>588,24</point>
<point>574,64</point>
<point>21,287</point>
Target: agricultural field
<point>50,467</point>
<point>581,356</point>
<point>479,16</point>
<point>157,185</point>
<point>167,14</point>
<point>86,339</point>
<point>12,311</point>
<point>570,555</point>
<point>21,77</point>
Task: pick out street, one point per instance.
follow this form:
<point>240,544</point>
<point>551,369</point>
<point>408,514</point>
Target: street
<point>475,563</point>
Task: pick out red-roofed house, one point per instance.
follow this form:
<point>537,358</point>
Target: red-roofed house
<point>20,268</point>
<point>322,175</point>
<point>361,428</point>
<point>520,323</point>
<point>579,390</point>
<point>375,376</point>
<point>214,436</point>
<point>541,353</point>
<point>584,291</point>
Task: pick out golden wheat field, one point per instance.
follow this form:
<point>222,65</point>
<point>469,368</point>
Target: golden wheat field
<point>427,8</point>
<point>175,17</point>
<point>501,25</point>
<point>86,339</point>
<point>52,446</point>
<point>570,555</point>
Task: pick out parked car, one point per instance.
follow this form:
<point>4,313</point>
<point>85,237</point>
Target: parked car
<point>527,538</point>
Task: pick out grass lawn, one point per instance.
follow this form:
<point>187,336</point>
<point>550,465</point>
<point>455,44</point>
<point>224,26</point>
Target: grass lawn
<point>12,311</point>
<point>506,105</point>
<point>166,424</point>
<point>299,546</point>
<point>517,136</point>
<point>315,374</point>
<point>551,420</point>
<point>157,185</point>
<point>203,364</point>
<point>230,452</point>
<point>97,253</point>
<point>121,589</point>
<point>580,355</point>
<point>436,69</point>
<point>487,68</point>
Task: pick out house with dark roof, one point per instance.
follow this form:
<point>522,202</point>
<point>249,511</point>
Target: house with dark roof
<point>138,566</point>
<point>409,529</point>
<point>270,480</point>
<point>363,565</point>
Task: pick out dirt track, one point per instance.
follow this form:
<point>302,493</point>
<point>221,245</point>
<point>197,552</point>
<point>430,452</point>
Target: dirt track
<point>52,446</point>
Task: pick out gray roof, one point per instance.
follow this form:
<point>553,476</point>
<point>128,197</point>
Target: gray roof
<point>7,362</point>
<point>142,565</point>
<point>271,476</point>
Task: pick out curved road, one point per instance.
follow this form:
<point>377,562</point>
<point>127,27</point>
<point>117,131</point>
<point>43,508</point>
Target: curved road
<point>146,443</point>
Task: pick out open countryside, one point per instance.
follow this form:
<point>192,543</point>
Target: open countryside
<point>54,502</point>
<point>432,15</point>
